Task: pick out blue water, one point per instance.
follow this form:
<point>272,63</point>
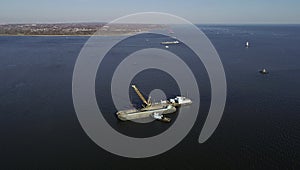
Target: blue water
<point>260,127</point>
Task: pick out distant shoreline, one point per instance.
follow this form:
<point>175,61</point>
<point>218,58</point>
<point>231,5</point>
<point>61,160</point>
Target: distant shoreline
<point>75,29</point>
<point>23,35</point>
<point>69,35</point>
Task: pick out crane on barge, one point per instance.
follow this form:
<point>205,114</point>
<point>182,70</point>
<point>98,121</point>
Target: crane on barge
<point>147,103</point>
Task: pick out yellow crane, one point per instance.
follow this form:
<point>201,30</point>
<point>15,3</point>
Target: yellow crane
<point>147,103</point>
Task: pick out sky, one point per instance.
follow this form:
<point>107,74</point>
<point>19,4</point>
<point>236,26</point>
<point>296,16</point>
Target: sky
<point>196,11</point>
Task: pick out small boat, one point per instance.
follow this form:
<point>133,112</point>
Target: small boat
<point>247,45</point>
<point>159,116</point>
<point>166,46</point>
<point>263,71</point>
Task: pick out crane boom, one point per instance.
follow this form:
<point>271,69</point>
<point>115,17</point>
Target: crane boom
<point>140,95</point>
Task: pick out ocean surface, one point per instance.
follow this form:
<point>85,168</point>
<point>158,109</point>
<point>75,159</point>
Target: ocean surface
<point>260,127</point>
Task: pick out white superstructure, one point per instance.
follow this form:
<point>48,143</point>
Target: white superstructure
<point>181,100</point>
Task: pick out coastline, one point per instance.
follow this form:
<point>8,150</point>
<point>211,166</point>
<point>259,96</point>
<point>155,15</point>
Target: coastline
<point>74,29</point>
<point>48,35</point>
<point>70,35</point>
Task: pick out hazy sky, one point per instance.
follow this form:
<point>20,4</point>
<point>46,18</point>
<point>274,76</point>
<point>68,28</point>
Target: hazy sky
<point>197,11</point>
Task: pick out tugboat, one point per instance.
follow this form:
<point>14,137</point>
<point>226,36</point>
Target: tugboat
<point>161,117</point>
<point>263,71</point>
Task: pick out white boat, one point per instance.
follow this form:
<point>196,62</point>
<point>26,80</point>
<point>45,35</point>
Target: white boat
<point>161,117</point>
<point>264,71</point>
<point>247,44</point>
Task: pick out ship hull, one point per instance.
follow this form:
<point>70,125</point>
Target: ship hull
<point>133,114</point>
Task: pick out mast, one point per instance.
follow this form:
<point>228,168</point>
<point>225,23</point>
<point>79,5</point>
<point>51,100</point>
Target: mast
<point>148,103</point>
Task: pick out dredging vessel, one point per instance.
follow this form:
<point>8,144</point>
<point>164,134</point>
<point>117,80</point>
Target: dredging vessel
<point>155,110</point>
